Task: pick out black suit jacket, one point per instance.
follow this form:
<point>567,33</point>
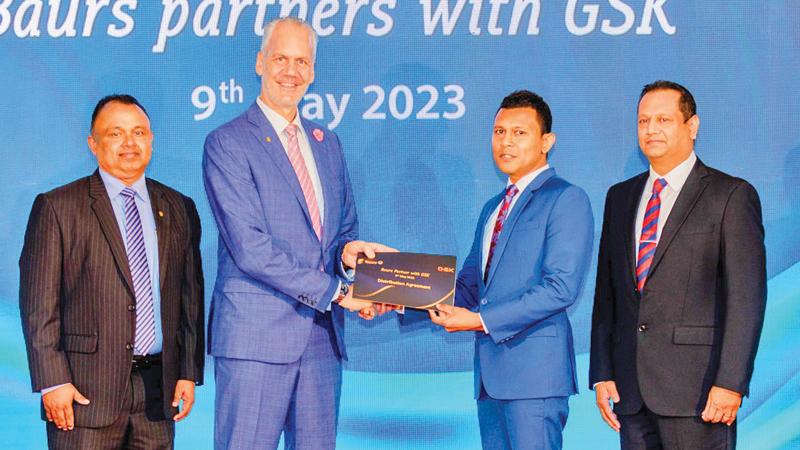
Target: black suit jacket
<point>698,319</point>
<point>76,292</point>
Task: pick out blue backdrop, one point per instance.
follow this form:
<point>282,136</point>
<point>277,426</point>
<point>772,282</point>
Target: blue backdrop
<point>411,88</point>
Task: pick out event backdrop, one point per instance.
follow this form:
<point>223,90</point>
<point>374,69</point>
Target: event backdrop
<point>411,88</point>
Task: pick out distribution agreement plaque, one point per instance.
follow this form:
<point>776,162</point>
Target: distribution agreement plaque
<point>415,280</point>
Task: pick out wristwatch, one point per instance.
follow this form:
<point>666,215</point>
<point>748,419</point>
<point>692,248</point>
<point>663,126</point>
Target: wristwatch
<point>344,288</point>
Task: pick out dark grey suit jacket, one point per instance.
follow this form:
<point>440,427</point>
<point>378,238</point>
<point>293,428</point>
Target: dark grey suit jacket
<point>698,320</point>
<point>76,295</point>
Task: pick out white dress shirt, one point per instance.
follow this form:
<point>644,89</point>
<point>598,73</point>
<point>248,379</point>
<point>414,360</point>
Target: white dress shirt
<point>676,178</point>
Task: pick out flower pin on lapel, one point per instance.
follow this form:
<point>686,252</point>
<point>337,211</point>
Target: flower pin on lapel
<point>318,135</point>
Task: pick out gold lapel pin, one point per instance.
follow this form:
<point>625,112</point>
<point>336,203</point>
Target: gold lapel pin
<point>161,214</point>
<point>269,139</point>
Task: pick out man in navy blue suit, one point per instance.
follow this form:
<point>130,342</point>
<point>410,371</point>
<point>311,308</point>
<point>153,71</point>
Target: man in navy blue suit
<point>527,265</point>
<point>280,193</point>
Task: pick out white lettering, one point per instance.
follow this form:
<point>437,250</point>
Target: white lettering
<point>166,30</point>
<point>383,16</point>
<point>569,18</point>
<point>442,14</point>
<point>115,31</point>
<point>31,28</point>
<point>657,7</point>
<point>67,28</point>
<point>211,27</point>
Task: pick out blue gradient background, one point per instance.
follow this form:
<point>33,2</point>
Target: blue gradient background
<point>419,184</point>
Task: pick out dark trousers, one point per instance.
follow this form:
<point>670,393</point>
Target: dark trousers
<point>132,429</point>
<point>647,430</point>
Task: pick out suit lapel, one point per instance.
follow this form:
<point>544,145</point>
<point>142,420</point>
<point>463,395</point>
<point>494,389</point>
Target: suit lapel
<point>162,216</point>
<point>687,198</point>
<point>101,205</point>
<point>271,144</point>
<point>511,220</point>
<point>634,197</point>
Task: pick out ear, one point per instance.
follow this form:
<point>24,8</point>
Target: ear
<point>694,126</point>
<point>92,144</point>
<point>260,63</point>
<point>549,141</point>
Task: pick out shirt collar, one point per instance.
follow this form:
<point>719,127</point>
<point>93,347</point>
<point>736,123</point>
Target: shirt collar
<point>676,177</point>
<point>277,121</point>
<point>114,186</point>
<point>523,182</point>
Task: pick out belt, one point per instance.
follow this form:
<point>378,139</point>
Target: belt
<point>146,361</point>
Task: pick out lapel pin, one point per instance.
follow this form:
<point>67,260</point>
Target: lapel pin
<point>161,214</point>
<point>269,139</point>
<point>318,135</point>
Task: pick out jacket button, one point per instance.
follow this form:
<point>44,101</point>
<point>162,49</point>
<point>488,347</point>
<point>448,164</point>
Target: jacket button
<point>131,307</point>
<point>484,301</point>
<point>643,327</point>
<point>128,346</point>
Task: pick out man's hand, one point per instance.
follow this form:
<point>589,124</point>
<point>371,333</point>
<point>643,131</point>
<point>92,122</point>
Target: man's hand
<point>383,308</point>
<point>454,318</point>
<point>184,390</point>
<point>606,392</point>
<point>365,309</point>
<point>722,405</point>
<point>58,406</point>
<point>353,248</point>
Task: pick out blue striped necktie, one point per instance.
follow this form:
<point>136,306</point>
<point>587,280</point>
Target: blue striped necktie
<point>140,272</point>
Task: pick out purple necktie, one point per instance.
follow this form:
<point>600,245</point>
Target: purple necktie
<point>511,191</point>
<point>140,272</point>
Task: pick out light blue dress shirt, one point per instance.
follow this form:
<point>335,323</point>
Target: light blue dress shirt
<point>114,187</point>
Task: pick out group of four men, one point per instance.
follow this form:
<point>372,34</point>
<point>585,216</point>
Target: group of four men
<point>111,285</point>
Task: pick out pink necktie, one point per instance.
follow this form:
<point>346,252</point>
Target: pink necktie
<point>299,165</point>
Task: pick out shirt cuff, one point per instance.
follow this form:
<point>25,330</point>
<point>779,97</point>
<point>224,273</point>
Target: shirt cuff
<point>335,295</point>
<point>485,329</point>
<point>52,388</point>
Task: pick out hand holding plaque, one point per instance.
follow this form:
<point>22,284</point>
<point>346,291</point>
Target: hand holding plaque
<point>415,280</point>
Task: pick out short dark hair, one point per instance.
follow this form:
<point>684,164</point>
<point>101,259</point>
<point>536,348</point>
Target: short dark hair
<point>528,99</point>
<point>125,99</point>
<point>686,103</point>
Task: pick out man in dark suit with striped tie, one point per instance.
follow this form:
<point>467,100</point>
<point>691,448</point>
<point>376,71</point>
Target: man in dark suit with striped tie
<point>681,289</point>
<point>111,295</point>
